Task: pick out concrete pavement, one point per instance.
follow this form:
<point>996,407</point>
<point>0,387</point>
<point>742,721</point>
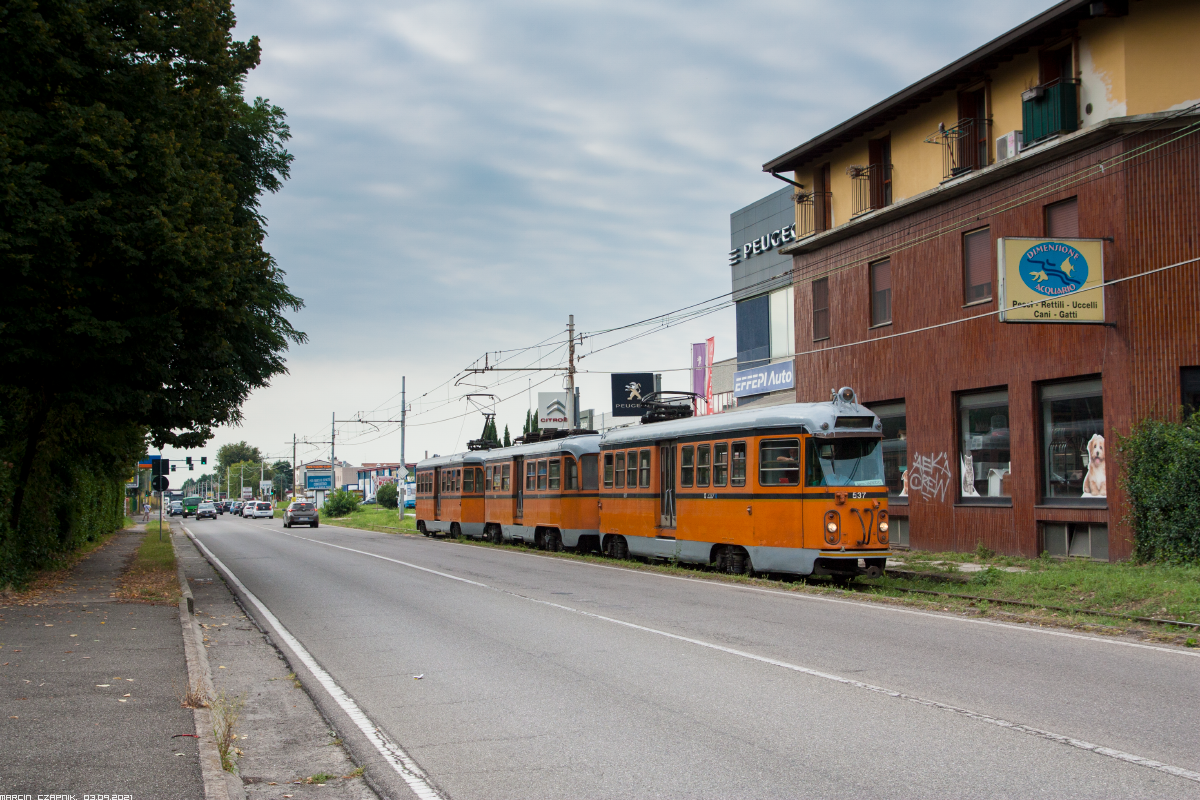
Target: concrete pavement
<point>553,678</point>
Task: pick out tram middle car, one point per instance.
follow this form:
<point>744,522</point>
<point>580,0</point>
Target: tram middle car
<point>791,489</point>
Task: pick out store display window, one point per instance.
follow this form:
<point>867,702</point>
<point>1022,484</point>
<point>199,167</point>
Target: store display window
<point>895,447</point>
<point>1073,449</point>
<point>984,463</point>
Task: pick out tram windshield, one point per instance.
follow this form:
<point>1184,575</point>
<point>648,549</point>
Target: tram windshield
<point>844,462</point>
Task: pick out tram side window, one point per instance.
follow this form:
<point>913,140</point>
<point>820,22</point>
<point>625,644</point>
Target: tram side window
<point>631,469</point>
<point>469,481</point>
<point>620,474</point>
<point>591,473</point>
<point>720,464</point>
<point>487,480</point>
<point>541,475</point>
<point>504,479</point>
<point>687,467</point>
<point>572,474</point>
<point>479,484</point>
<point>703,462</point>
<point>737,469</point>
<point>530,475</point>
<point>554,474</point>
<point>645,480</point>
<point>458,480</point>
<point>608,470</point>
<point>779,462</point>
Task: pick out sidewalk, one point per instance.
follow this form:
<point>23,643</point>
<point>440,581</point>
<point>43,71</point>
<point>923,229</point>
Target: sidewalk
<point>90,686</point>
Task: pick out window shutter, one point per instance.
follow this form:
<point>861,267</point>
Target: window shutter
<point>820,295</point>
<point>881,276</point>
<point>978,255</point>
<point>1062,219</point>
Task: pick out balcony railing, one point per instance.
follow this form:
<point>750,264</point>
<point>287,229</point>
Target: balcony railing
<point>964,147</point>
<point>1049,110</point>
<point>814,212</point>
<point>872,187</point>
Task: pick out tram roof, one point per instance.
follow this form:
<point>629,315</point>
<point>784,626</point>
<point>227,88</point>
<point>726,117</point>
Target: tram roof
<point>819,419</point>
<point>576,445</point>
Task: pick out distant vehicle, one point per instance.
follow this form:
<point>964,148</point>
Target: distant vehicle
<point>175,509</point>
<point>301,512</point>
<point>410,494</point>
<point>206,511</point>
<point>190,504</point>
<point>236,508</point>
<point>255,509</point>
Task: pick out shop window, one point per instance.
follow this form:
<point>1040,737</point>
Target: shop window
<point>895,447</point>
<point>1075,539</point>
<point>541,475</point>
<point>469,481</point>
<point>620,471</point>
<point>505,478</point>
<point>687,466</point>
<point>1189,385</point>
<point>720,464</point>
<point>977,265</point>
<point>591,474</point>
<point>1062,219</point>
<point>703,464</point>
<point>530,476</point>
<point>820,310</point>
<point>737,467</point>
<point>572,474</point>
<point>881,292</point>
<point>779,462</point>
<point>631,469</point>
<point>1073,451</point>
<point>555,478</point>
<point>645,471</point>
<point>983,456</point>
<point>608,470</point>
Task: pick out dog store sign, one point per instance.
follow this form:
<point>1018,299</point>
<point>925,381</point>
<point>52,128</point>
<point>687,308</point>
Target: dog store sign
<point>1051,280</point>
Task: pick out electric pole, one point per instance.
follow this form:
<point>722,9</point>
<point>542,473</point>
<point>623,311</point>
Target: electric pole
<point>571,372</point>
<point>403,477</point>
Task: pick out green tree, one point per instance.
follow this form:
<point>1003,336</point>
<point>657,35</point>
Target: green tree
<point>1161,474</point>
<point>507,438</point>
<point>285,476</point>
<point>247,473</point>
<point>138,298</point>
<point>388,496</point>
<point>235,453</point>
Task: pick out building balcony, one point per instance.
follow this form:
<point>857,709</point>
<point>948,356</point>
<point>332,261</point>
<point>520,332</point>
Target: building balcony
<point>964,146</point>
<point>814,211</point>
<point>1049,110</point>
<point>872,187</point>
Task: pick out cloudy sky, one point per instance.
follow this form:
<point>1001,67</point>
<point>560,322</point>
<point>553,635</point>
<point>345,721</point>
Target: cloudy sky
<point>468,174</point>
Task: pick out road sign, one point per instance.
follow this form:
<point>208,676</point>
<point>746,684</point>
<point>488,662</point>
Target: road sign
<point>160,483</point>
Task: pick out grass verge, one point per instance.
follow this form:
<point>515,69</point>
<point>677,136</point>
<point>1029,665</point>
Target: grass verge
<point>375,518</point>
<point>151,576</point>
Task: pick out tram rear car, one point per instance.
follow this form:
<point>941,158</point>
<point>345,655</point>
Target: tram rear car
<point>793,489</point>
<point>450,495</point>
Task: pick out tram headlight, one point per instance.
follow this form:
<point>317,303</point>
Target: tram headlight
<point>883,527</point>
<point>832,527</point>
<point>833,523</point>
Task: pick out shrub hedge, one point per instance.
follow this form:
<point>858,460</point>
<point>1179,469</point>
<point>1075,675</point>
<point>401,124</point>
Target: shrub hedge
<point>1161,474</point>
<point>340,503</point>
<point>388,495</point>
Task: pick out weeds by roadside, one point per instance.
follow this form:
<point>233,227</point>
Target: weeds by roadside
<point>374,518</point>
<point>225,713</point>
<point>151,576</point>
<point>194,696</point>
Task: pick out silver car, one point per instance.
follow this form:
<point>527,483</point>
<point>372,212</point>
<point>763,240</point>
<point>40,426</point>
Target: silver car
<point>301,512</point>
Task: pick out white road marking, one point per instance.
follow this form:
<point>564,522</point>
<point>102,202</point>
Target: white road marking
<point>395,755</point>
<point>1070,741</point>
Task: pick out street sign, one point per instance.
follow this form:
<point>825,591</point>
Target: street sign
<point>160,483</point>
<point>318,480</point>
<point>265,486</point>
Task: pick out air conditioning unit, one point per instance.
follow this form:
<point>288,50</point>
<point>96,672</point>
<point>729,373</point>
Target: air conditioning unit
<point>1008,145</point>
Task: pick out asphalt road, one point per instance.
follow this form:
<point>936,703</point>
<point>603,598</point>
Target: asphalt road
<point>553,678</point>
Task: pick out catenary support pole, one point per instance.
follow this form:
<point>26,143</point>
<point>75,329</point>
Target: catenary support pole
<point>403,477</point>
<point>571,417</point>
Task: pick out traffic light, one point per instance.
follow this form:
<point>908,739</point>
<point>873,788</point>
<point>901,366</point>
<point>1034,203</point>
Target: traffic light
<point>188,459</point>
<point>203,460</point>
<point>172,468</point>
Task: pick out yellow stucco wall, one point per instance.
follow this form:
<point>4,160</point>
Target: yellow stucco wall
<point>1161,42</point>
<point>1008,81</point>
<point>916,164</point>
<point>1102,69</point>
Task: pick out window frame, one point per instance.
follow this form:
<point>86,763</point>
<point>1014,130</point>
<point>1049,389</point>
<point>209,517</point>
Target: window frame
<point>541,474</point>
<point>764,447</point>
<point>959,398</point>
<point>631,469</point>
<point>720,466</point>
<point>608,470</point>
<point>968,300</point>
<point>531,475</point>
<point>1085,387</point>
<point>817,334</point>
<point>644,469</point>
<point>619,471</point>
<point>506,478</point>
<point>687,466</point>
<point>571,473</point>
<point>554,475</point>
<point>703,462</point>
<point>468,481</point>
<point>734,478</point>
<point>876,321</point>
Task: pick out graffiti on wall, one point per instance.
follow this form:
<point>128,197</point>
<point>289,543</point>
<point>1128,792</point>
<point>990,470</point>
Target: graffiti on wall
<point>929,476</point>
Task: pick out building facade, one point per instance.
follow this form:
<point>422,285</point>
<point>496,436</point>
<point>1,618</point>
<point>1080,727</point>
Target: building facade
<point>1077,131</point>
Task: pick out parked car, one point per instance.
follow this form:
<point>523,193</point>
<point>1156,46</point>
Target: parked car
<point>206,511</point>
<point>259,508</point>
<point>301,512</point>
<point>175,509</point>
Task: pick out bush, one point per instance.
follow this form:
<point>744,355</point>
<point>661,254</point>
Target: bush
<point>387,496</point>
<point>341,503</point>
<point>1161,473</point>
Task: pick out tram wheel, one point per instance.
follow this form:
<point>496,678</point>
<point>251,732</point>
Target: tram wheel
<point>553,541</point>
<point>455,531</point>
<point>497,535</point>
<point>736,563</point>
<point>421,527</point>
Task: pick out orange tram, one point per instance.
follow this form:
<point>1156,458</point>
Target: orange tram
<point>793,489</point>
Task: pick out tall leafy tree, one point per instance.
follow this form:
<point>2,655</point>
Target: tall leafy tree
<point>137,294</point>
<point>283,471</point>
<point>507,438</point>
<point>236,452</point>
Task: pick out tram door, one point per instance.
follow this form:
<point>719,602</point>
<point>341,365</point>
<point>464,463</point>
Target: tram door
<point>437,492</point>
<point>666,467</point>
<point>518,485</point>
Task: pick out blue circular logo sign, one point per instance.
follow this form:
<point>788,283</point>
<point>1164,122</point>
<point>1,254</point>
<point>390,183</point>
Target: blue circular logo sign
<point>1053,269</point>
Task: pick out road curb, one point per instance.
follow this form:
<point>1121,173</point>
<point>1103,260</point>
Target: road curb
<point>218,784</point>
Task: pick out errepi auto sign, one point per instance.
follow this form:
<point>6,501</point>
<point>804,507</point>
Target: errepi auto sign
<point>761,380</point>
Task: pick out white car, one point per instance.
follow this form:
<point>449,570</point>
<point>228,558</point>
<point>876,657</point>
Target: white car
<point>258,508</point>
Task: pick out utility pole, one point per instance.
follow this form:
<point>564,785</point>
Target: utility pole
<point>293,465</point>
<point>332,439</point>
<point>571,370</point>
<point>403,476</point>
